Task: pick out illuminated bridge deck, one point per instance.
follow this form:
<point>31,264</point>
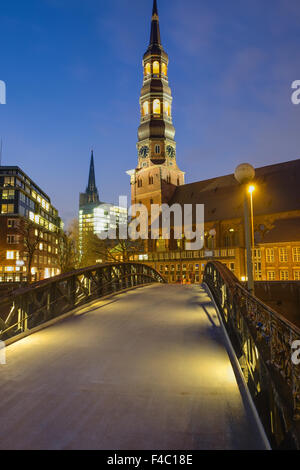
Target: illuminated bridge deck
<point>147,369</point>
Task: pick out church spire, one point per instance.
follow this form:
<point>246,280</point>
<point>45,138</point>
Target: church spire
<point>91,190</point>
<point>155,30</point>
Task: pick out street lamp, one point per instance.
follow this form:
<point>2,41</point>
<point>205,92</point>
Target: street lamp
<point>251,190</point>
<point>244,174</point>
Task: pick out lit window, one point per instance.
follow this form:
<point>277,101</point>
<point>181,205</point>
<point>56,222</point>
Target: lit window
<point>270,257</point>
<point>10,255</point>
<point>271,275</point>
<point>9,269</point>
<point>167,108</point>
<point>157,149</point>
<point>9,181</point>
<point>296,254</point>
<point>164,69</point>
<point>41,246</point>
<point>297,275</point>
<point>284,275</point>
<point>148,69</point>
<point>7,209</point>
<point>156,106</point>
<point>8,194</point>
<point>156,67</point>
<point>283,255</point>
<point>146,108</point>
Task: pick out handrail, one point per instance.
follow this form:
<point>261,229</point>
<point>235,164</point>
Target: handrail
<point>27,307</point>
<point>270,335</point>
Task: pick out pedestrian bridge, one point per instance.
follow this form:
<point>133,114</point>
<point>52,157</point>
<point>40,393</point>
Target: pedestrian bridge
<point>143,367</point>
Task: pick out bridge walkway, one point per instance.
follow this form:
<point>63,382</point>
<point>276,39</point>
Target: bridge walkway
<point>147,369</point>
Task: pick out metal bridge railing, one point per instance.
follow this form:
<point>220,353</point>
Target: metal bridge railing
<point>263,339</point>
<point>31,306</point>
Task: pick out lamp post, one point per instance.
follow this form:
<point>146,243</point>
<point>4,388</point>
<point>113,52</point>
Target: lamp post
<point>244,174</point>
<point>251,190</point>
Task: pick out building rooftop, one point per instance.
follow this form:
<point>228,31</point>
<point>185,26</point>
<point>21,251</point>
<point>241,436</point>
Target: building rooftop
<point>277,190</point>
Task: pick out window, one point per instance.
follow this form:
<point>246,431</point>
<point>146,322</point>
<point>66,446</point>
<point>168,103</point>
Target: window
<point>296,275</point>
<point>257,253</point>
<point>296,254</point>
<point>7,209</point>
<point>40,246</point>
<point>164,69</point>
<point>12,223</point>
<point>12,239</point>
<point>148,69</point>
<point>270,257</point>
<point>283,255</point>
<point>157,149</point>
<point>167,108</point>
<point>156,106</point>
<point>178,182</point>
<point>9,181</point>
<point>284,275</point>
<point>156,67</point>
<point>12,255</point>
<point>146,108</point>
<point>271,275</point>
<point>140,183</point>
<point>8,194</point>
<point>150,179</point>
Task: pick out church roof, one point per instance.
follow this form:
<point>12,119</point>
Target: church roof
<point>284,230</point>
<point>277,190</point>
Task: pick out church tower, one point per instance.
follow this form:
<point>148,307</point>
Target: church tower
<point>157,174</point>
<point>91,195</point>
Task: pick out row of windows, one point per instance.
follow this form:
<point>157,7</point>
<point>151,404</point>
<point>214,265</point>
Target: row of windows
<point>151,181</point>
<point>284,275</point>
<point>9,194</point>
<point>155,68</point>
<point>156,107</point>
<point>283,254</point>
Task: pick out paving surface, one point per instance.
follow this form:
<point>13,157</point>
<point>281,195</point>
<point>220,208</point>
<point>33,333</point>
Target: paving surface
<point>143,370</point>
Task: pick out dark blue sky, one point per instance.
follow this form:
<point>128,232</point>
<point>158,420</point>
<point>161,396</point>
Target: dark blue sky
<point>73,74</point>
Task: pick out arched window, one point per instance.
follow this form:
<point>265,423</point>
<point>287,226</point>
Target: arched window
<point>140,183</point>
<point>148,69</point>
<point>156,68</point>
<point>150,179</point>
<point>168,179</point>
<point>167,108</point>
<point>156,107</point>
<point>178,182</point>
<point>146,108</point>
<point>164,69</point>
<point>157,149</point>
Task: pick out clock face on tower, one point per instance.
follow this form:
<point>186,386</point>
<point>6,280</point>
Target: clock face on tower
<point>144,151</point>
<point>170,151</point>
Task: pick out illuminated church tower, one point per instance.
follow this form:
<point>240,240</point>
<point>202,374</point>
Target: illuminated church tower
<point>157,174</point>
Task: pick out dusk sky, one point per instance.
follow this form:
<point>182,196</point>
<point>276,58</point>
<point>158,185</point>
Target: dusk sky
<point>73,74</point>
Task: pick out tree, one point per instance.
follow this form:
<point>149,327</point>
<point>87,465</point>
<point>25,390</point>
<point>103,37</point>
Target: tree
<point>32,235</point>
<point>95,250</point>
